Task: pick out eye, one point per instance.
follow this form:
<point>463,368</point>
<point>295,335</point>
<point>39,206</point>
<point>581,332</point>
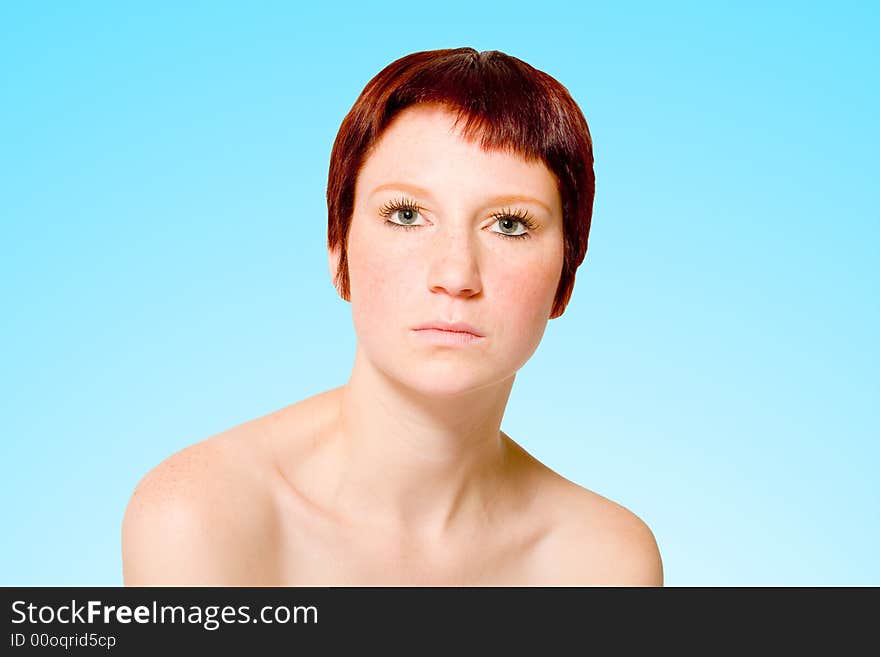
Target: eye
<point>403,210</point>
<point>508,220</point>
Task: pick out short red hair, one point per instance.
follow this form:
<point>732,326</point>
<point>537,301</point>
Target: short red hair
<point>506,103</point>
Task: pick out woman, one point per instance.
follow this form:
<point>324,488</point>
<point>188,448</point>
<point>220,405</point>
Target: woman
<point>460,196</point>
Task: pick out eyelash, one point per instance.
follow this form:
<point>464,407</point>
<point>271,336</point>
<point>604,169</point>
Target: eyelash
<point>405,204</point>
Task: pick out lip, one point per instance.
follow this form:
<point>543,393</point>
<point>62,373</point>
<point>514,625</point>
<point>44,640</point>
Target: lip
<point>451,327</point>
<point>441,338</point>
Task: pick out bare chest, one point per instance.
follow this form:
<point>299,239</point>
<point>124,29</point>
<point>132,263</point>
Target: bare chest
<point>349,563</point>
<point>316,553</point>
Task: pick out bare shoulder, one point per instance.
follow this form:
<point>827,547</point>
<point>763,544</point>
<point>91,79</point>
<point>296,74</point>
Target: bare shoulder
<point>598,542</point>
<point>200,517</point>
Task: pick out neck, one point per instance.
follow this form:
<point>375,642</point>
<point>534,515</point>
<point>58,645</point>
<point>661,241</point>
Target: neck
<point>418,463</point>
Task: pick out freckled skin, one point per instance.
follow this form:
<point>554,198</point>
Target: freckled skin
<point>294,499</point>
<point>503,286</point>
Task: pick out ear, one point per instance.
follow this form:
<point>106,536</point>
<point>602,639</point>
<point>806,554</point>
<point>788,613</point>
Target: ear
<point>333,256</point>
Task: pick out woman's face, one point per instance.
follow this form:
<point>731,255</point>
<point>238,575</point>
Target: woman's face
<point>459,262</point>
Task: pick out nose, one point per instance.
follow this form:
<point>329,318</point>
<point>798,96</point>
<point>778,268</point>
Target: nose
<point>453,266</point>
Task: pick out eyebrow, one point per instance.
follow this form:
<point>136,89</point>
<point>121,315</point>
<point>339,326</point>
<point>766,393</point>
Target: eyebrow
<point>495,200</point>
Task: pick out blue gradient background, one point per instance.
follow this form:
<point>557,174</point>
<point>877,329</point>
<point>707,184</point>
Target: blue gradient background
<point>164,272</point>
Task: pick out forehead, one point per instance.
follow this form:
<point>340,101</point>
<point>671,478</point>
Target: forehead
<point>423,146</point>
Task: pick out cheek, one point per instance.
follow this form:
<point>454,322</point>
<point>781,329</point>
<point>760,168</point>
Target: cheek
<point>525,299</point>
<point>524,294</point>
<point>378,280</point>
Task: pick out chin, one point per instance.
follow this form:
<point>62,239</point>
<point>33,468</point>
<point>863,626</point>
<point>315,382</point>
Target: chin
<point>443,379</point>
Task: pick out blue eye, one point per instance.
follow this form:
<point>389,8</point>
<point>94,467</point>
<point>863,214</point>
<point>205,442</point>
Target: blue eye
<point>410,210</point>
<point>507,218</point>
